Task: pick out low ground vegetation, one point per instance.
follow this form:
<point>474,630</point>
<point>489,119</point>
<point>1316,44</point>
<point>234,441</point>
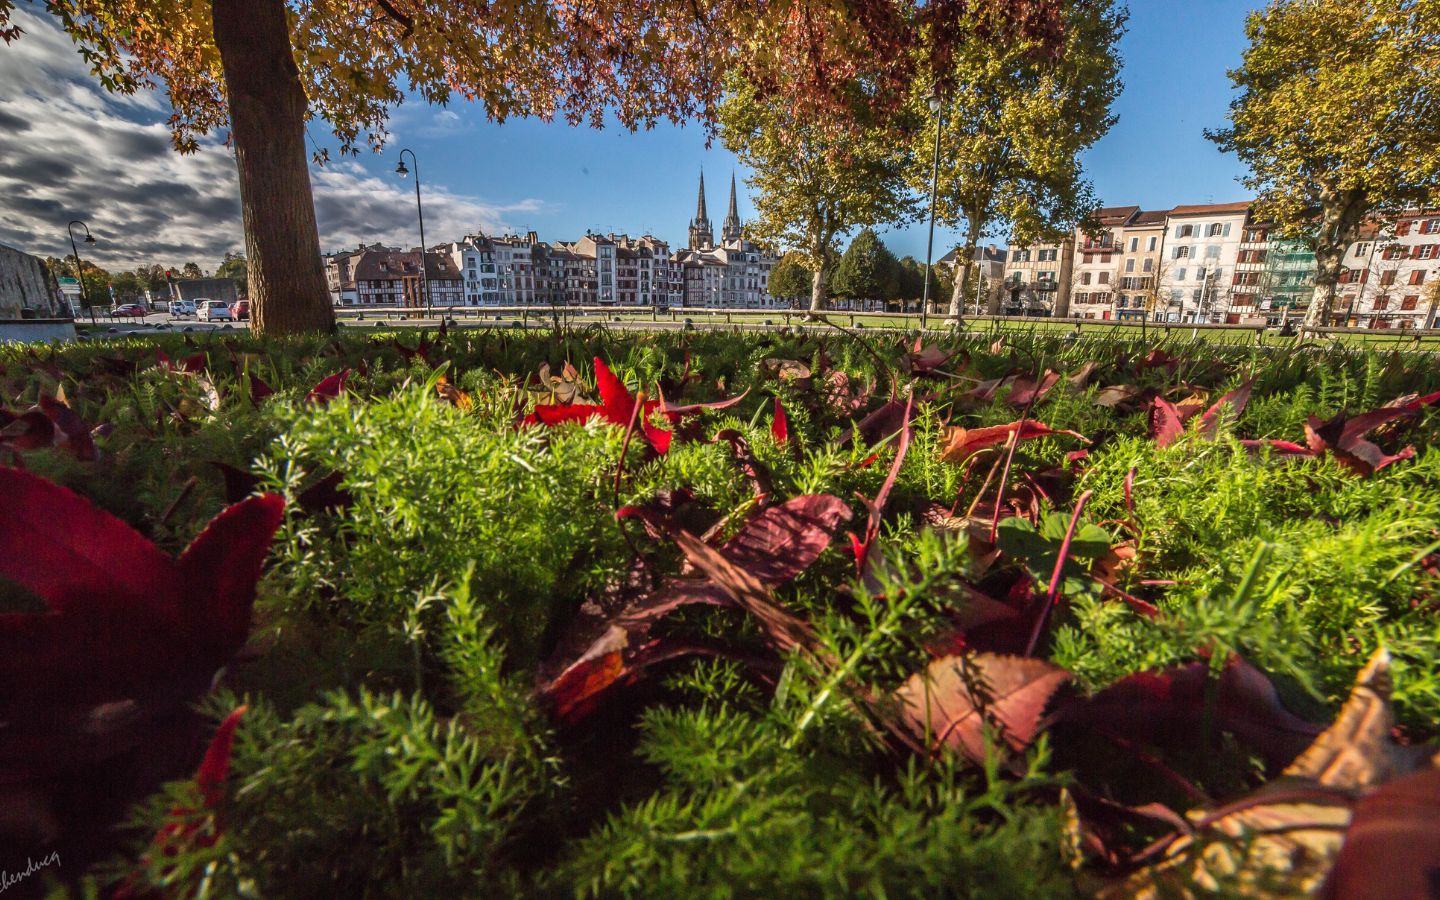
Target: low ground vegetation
<point>697,613</point>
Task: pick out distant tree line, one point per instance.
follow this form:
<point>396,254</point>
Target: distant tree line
<point>103,287</point>
<point>867,270</point>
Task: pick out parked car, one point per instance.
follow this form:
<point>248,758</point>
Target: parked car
<point>128,309</point>
<point>241,309</point>
<point>181,308</point>
<point>214,311</point>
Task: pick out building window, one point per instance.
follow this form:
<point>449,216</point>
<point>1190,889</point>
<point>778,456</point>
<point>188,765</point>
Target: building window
<point>1212,251</point>
<point>1387,278</point>
<point>1410,302</point>
<point>1084,277</point>
<point>1130,265</point>
<point>1134,244</point>
<point>1430,226</point>
<point>1104,277</point>
<point>1179,274</point>
<point>1418,276</point>
<point>1046,256</point>
<point>1425,251</point>
<point>1382,302</point>
<point>1182,253</point>
<point>1361,249</point>
<point>1148,265</point>
<point>1151,246</point>
<point>1217,230</point>
<point>1184,231</point>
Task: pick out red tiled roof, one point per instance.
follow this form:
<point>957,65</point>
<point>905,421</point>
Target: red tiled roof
<point>1206,209</point>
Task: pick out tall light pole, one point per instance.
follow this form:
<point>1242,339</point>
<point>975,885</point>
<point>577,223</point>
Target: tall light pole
<point>934,104</point>
<point>419,211</point>
<point>79,270</point>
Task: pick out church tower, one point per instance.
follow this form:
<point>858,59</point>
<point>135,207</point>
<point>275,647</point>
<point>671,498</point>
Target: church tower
<point>702,236</point>
<point>731,230</point>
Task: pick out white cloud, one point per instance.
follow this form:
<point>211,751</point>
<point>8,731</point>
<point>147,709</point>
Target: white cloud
<point>73,151</point>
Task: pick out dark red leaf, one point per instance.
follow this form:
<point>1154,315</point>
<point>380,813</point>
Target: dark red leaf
<point>1026,391</point>
<point>123,616</point>
<point>259,390</point>
<point>962,443</point>
<point>1177,706</point>
<point>957,699</point>
<point>1392,847</point>
<point>770,549</point>
<point>1166,424</point>
<point>1344,438</point>
<point>1236,400</point>
<point>329,388</point>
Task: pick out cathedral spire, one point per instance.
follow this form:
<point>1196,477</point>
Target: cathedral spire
<point>731,230</point>
<point>702,236</point>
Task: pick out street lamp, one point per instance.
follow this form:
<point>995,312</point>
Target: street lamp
<point>420,211</point>
<point>79,271</point>
<point>934,104</point>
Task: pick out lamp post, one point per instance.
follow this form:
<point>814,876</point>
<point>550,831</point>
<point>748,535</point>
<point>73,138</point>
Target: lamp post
<point>419,211</point>
<point>934,104</point>
<point>79,271</point>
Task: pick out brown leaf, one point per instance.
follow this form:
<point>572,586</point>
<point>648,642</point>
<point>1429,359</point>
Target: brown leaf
<point>957,698</point>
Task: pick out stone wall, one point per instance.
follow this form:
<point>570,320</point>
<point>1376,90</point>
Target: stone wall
<point>25,282</point>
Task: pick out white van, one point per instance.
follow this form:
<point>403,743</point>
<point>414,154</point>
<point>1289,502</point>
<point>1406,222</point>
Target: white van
<point>181,308</point>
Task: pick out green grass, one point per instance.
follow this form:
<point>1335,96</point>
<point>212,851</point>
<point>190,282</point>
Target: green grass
<point>394,745</point>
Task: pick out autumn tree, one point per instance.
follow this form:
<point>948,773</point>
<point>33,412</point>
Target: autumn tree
<point>1015,121</point>
<point>262,69</point>
<point>789,278</point>
<point>818,176</point>
<point>1338,119</point>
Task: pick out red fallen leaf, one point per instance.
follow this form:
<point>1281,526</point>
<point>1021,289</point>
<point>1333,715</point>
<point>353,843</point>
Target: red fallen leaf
<point>859,547</point>
<point>673,413</point>
<point>747,591</point>
<point>957,699</point>
<point>1166,422</point>
<point>1159,359</point>
<point>183,831</point>
<point>1179,705</point>
<point>1236,400</point>
<point>259,390</point>
<point>773,547</point>
<point>617,406</point>
<point>195,362</point>
<point>1283,448</point>
<point>322,496</point>
<point>49,423</point>
<point>1392,847</point>
<point>922,360</point>
<point>780,425</point>
<point>1344,437</point>
<point>963,443</point>
<point>1081,378</point>
<point>878,425</point>
<point>329,388</point>
<point>124,618</point>
<point>1026,391</point>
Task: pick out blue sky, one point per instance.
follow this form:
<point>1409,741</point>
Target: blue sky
<point>73,151</point>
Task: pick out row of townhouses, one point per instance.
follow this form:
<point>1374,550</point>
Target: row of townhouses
<point>482,270</point>
<point>1218,263</point>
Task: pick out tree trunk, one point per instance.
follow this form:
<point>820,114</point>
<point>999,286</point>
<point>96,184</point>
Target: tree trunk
<point>267,104</point>
<point>820,284</point>
<point>1340,215</point>
<point>964,262</point>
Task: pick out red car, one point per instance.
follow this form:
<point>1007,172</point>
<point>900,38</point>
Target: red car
<point>240,309</point>
<point>128,309</point>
